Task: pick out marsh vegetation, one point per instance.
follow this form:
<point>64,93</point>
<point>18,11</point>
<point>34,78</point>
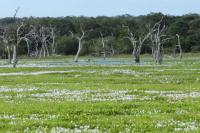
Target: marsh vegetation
<point>113,95</point>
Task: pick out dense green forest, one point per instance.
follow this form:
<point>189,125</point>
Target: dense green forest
<point>111,30</point>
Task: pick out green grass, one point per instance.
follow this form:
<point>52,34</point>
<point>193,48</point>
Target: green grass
<point>91,96</point>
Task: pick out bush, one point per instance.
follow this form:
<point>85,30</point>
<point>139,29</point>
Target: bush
<point>195,48</point>
<point>66,45</point>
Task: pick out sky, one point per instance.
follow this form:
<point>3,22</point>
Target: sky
<point>60,8</point>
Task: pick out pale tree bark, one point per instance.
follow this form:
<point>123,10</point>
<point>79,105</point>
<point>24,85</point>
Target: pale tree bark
<point>36,49</point>
<point>35,37</point>
<point>43,39</point>
<point>158,39</point>
<point>103,46</point>
<point>104,41</point>
<point>27,44</point>
<point>53,36</point>
<point>79,50</point>
<point>179,46</point>
<point>112,48</point>
<point>45,35</point>
<point>19,38</point>
<point>41,50</point>
<point>14,37</point>
<point>9,54</point>
<point>14,58</point>
<point>80,43</point>
<point>5,40</point>
<point>137,43</point>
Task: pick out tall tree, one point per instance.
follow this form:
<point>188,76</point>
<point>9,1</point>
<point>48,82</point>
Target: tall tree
<point>80,42</point>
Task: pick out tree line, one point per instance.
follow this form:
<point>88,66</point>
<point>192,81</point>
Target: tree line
<point>155,33</point>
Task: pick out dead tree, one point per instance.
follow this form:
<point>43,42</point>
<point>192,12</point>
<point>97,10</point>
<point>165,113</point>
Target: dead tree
<point>112,48</point>
<point>5,39</point>
<point>47,39</point>
<point>157,47</point>
<point>17,37</point>
<point>39,39</point>
<point>103,46</point>
<point>106,49</point>
<point>28,44</point>
<point>20,36</point>
<point>80,43</point>
<point>178,46</point>
<point>137,42</point>
<point>159,38</point>
<point>44,38</point>
<point>34,40</point>
<point>14,57</point>
<point>53,36</point>
<point>8,49</point>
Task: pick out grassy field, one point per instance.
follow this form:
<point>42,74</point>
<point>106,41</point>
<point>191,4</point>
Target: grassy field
<point>56,95</point>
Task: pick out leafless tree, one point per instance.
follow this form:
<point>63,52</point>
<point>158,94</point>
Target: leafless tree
<point>53,36</point>
<point>103,45</point>
<point>178,46</point>
<point>35,38</point>
<point>5,39</point>
<point>112,48</point>
<point>16,35</point>
<point>39,38</point>
<point>159,38</point>
<point>137,42</point>
<point>17,41</point>
<point>20,36</point>
<point>30,38</point>
<point>44,38</point>
<point>80,42</point>
<point>106,48</point>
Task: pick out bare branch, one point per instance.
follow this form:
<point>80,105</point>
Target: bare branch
<point>71,33</point>
<point>16,12</point>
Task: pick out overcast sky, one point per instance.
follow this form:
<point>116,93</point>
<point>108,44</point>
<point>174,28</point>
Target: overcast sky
<point>58,8</point>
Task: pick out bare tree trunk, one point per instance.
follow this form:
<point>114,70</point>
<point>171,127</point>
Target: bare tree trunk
<point>14,59</point>
<point>158,40</point>
<point>40,54</point>
<point>179,46</point>
<point>137,57</point>
<point>78,52</point>
<point>46,49</point>
<point>36,50</point>
<point>153,49</point>
<point>53,51</point>
<point>104,52</point>
<point>53,48</point>
<point>159,55</point>
<point>137,43</point>
<point>28,50</point>
<point>80,43</point>
<point>9,56</point>
<point>28,47</point>
<point>103,46</point>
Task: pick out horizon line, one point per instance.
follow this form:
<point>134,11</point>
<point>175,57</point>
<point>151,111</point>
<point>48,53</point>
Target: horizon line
<point>96,16</point>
